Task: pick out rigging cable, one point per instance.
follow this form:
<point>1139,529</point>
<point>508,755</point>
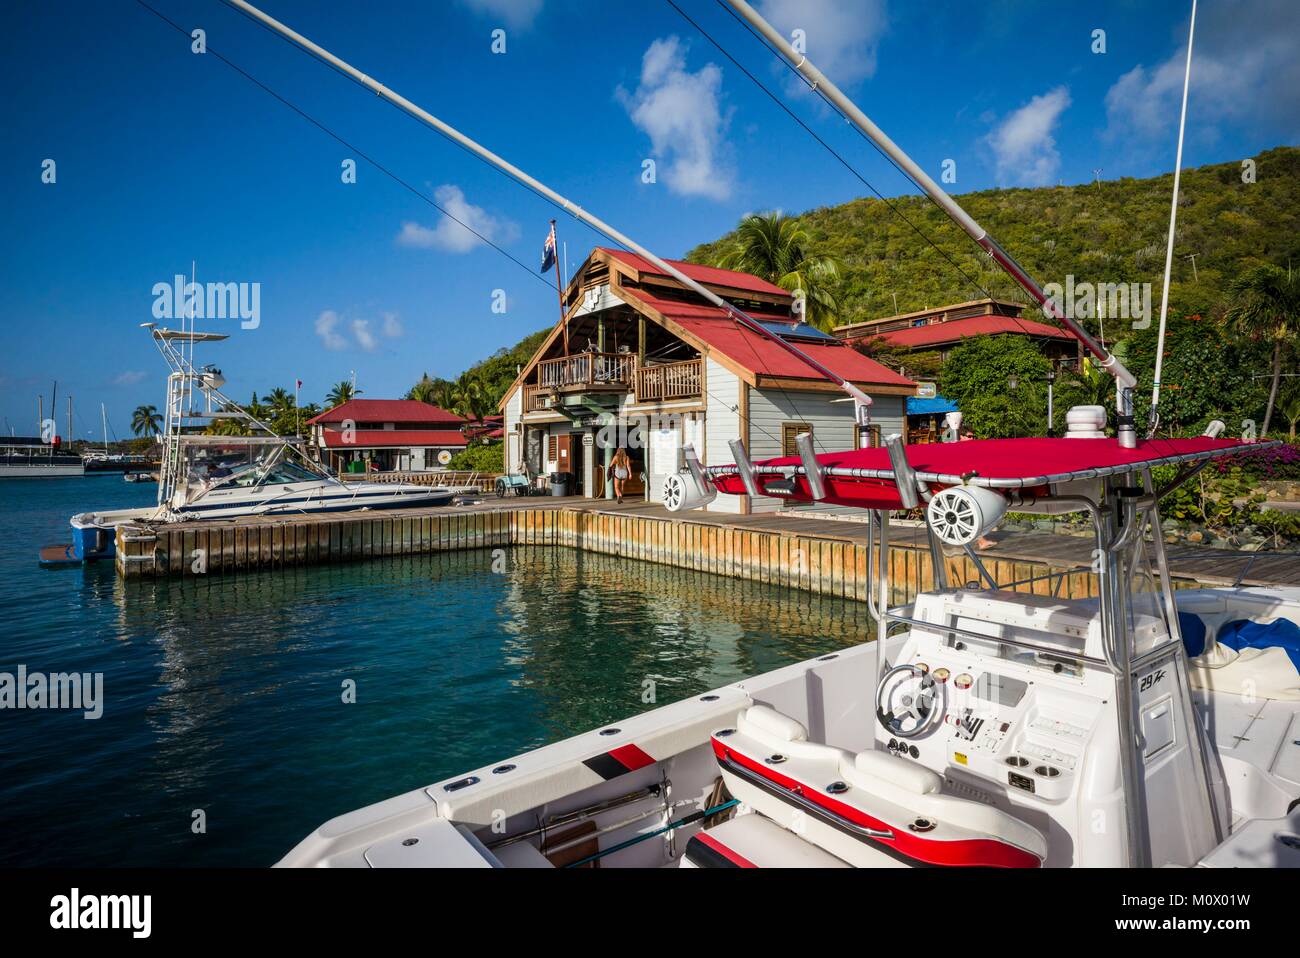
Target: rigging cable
<point>822,96</point>
<point>375,163</point>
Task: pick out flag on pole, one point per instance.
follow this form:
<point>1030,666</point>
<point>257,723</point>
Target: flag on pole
<point>548,250</point>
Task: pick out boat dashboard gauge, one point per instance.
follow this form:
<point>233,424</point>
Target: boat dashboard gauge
<point>925,669</point>
<point>941,675</point>
<point>963,681</point>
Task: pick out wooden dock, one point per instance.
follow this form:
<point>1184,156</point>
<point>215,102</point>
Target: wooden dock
<point>818,555</point>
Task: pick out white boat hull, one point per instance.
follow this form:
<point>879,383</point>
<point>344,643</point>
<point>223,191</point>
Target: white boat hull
<point>94,532</point>
<point>960,810</point>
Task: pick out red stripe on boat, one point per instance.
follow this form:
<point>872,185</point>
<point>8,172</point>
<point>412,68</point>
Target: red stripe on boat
<point>737,859</point>
<point>631,757</point>
<point>962,852</point>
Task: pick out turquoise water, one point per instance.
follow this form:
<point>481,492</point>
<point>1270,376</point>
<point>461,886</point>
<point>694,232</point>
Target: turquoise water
<point>226,694</point>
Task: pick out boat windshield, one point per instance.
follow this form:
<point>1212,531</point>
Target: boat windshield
<point>258,474</point>
<point>209,465</point>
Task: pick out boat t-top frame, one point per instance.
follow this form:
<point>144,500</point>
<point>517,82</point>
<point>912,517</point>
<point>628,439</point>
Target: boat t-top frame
<point>195,400</point>
<point>1125,506</point>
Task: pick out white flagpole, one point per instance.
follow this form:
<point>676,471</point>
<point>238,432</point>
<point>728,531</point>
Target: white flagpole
<point>1169,248</point>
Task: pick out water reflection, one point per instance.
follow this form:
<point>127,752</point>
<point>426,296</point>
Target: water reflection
<point>226,693</point>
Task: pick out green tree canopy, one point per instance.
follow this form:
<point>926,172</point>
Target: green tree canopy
<point>776,248</point>
<point>979,376</point>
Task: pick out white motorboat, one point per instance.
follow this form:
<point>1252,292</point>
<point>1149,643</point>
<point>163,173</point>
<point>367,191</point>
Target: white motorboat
<point>211,477</point>
<point>1006,729</point>
<point>982,726</point>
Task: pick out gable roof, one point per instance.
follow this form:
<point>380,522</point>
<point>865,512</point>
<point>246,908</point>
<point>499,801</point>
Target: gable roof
<point>955,329</point>
<point>709,275</point>
<point>386,410</point>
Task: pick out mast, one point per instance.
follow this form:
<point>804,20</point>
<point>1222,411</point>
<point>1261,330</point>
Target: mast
<point>1124,380</point>
<point>103,426</point>
<point>1173,221</point>
<point>861,400</point>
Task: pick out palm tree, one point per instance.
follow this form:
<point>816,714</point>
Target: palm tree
<point>1265,304</point>
<point>342,392</point>
<point>471,398</point>
<point>423,391</point>
<point>1288,404</point>
<point>280,401</point>
<point>146,421</point>
<point>777,248</point>
<point>444,394</point>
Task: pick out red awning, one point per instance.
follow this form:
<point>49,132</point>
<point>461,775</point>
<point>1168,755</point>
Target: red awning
<point>862,477</point>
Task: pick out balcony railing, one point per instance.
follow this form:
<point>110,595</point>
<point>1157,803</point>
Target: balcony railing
<point>536,399</point>
<point>587,369</point>
<point>669,381</point>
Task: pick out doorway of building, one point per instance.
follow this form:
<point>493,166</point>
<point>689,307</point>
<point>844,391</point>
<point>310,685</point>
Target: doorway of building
<point>578,464</point>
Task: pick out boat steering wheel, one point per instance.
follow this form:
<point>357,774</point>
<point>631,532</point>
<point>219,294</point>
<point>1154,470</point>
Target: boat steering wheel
<point>908,701</point>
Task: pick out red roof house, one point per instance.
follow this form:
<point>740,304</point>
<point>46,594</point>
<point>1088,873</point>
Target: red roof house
<point>643,362</point>
<point>401,435</point>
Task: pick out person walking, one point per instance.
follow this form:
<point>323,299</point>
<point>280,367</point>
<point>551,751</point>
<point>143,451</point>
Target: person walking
<point>621,467</point>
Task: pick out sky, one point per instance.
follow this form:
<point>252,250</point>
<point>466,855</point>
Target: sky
<point>163,157</point>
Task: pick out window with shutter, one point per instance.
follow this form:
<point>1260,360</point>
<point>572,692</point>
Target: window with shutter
<point>789,432</point>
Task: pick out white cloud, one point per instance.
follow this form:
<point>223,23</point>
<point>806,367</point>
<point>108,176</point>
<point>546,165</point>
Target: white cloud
<point>517,14</point>
<point>338,333</point>
<point>1024,145</point>
<point>327,329</point>
<point>129,378</point>
<point>449,235</point>
<point>365,338</point>
<point>1245,71</point>
<point>841,36</point>
<point>682,114</point>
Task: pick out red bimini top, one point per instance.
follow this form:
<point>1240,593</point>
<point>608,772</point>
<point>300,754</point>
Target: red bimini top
<point>863,477</point>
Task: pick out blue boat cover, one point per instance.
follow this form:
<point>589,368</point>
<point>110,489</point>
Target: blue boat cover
<point>917,406</point>
<point>1244,634</point>
<point>1193,629</point>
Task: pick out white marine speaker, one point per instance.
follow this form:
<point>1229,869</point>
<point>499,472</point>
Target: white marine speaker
<point>681,494</point>
<point>959,515</point>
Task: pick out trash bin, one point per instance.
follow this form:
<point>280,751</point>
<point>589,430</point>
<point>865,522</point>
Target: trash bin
<point>560,483</point>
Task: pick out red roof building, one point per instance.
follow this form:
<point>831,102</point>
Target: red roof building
<point>642,362</point>
<point>943,328</point>
<point>400,435</point>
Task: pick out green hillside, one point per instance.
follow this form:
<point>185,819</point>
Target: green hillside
<point>1114,232</point>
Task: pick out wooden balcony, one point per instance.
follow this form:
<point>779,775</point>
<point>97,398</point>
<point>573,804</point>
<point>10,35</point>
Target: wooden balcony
<point>535,400</point>
<point>587,370</point>
<point>683,380</point>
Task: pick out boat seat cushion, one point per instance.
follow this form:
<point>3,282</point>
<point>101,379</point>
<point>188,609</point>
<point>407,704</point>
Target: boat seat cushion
<point>782,735</point>
<point>907,775</point>
<point>858,806</point>
<point>768,721</point>
<point>752,841</point>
